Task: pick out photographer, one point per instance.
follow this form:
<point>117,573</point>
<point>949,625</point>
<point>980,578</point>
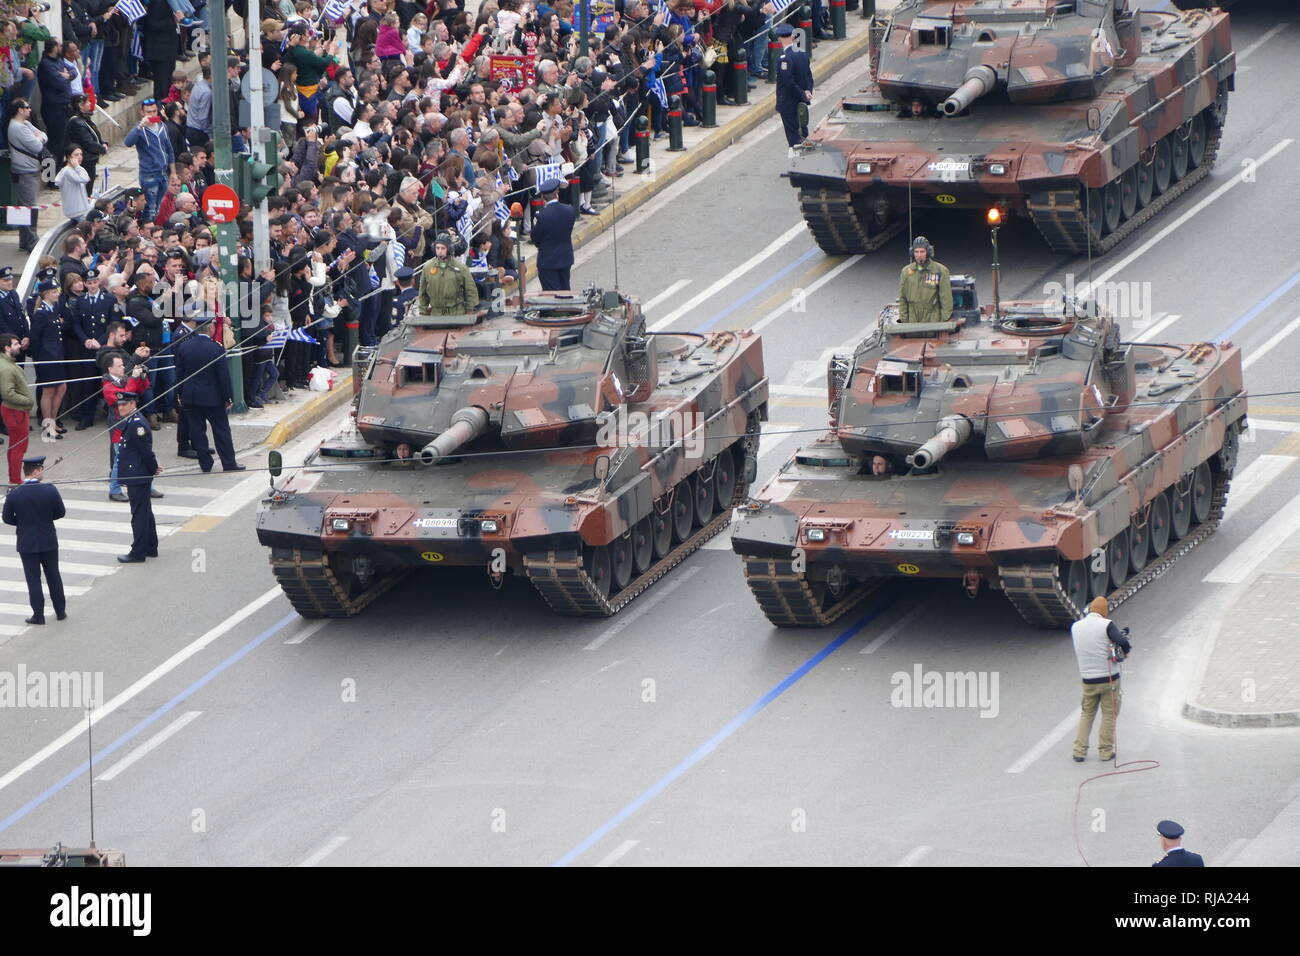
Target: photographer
<point>1095,638</point>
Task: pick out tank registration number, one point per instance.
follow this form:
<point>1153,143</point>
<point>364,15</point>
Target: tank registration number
<point>431,556</point>
<point>911,534</point>
<point>909,569</point>
<point>434,523</point>
<point>950,166</point>
<point>946,198</point>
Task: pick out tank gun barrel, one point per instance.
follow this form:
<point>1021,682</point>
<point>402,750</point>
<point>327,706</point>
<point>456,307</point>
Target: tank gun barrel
<point>952,430</point>
<point>979,81</point>
<point>466,425</point>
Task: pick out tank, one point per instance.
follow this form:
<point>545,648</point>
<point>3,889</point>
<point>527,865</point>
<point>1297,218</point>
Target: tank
<point>1026,449</point>
<point>560,441</point>
<point>1087,116</point>
<point>60,855</point>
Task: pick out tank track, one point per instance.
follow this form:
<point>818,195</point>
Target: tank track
<point>787,598</point>
<point>1037,592</point>
<point>564,584</point>
<point>1062,219</point>
<point>314,589</point>
<point>836,225</point>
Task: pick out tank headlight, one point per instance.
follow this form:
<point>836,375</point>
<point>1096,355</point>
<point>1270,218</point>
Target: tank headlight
<point>816,534</point>
<point>340,524</point>
<point>489,525</point>
<point>998,169</point>
<point>864,169</point>
<point>965,537</point>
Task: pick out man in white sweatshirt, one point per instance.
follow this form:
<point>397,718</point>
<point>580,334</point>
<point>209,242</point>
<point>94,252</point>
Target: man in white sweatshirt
<point>1093,637</point>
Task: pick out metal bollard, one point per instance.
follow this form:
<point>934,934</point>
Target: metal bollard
<point>868,9</point>
<point>675,144</point>
<point>839,26</point>
<point>575,189</point>
<point>805,27</point>
<point>773,55</point>
<point>642,135</point>
<point>709,100</point>
<point>740,76</point>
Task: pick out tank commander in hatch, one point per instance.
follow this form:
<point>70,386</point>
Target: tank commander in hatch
<point>924,287</point>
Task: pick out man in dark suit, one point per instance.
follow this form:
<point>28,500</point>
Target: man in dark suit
<point>136,466</point>
<point>1171,841</point>
<point>205,392</point>
<point>553,236</point>
<point>33,508</point>
<point>794,86</point>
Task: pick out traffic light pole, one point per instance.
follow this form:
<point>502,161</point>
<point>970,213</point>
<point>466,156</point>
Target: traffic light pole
<point>227,232</point>
<point>264,137</point>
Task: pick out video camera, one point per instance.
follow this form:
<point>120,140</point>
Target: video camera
<point>1117,655</point>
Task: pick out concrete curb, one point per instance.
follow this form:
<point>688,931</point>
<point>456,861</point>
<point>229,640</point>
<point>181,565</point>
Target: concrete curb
<point>1223,718</point>
<point>309,414</point>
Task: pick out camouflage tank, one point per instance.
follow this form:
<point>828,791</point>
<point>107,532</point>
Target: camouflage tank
<point>561,442</point>
<point>60,855</point>
<point>1024,448</point>
<point>1088,116</point>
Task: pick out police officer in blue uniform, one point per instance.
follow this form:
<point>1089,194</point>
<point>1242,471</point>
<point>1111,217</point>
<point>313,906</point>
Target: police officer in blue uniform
<point>13,317</point>
<point>206,395</point>
<point>553,236</point>
<point>406,293</point>
<point>1171,841</point>
<point>794,85</point>
<point>33,508</point>
<point>94,311</point>
<point>136,466</point>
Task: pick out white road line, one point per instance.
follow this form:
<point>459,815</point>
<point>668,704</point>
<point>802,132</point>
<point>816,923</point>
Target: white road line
<point>1053,737</point>
<point>306,632</point>
<point>797,391</point>
<point>1254,478</point>
<point>1260,42</point>
<point>1180,221</point>
<point>679,284</point>
<point>87,524</point>
<point>771,249</point>
<point>324,851</point>
<point>150,745</point>
<point>785,307</point>
<point>1149,334</point>
<point>145,682</point>
<point>11,630</point>
<point>1282,336</point>
<point>618,853</point>
<point>117,507</point>
<point>915,855</point>
<point>1255,550</point>
<point>92,547</point>
<point>1272,425</point>
<point>67,567</point>
<point>186,491</point>
<point>890,632</point>
<point>678,580</point>
<point>19,610</point>
<point>69,590</point>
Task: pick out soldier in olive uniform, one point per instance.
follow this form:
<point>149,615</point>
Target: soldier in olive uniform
<point>924,287</point>
<point>446,285</point>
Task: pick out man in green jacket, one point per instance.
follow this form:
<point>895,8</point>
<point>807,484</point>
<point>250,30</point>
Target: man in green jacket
<point>446,286</point>
<point>924,287</point>
<point>16,403</point>
<point>311,68</point>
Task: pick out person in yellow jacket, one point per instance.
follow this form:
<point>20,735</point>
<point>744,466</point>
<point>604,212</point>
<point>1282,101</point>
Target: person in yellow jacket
<point>924,287</point>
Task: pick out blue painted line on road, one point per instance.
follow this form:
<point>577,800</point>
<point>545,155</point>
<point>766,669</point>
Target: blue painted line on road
<point>756,291</point>
<point>149,721</point>
<point>712,744</point>
<point>1258,308</point>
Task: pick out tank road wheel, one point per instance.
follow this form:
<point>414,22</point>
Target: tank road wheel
<point>661,524</point>
<point>1180,509</point>
<point>1180,155</point>
<point>1146,183</point>
<point>1099,581</point>
<point>1196,141</point>
<point>595,561</point>
<point>1128,195</point>
<point>1139,542</point>
<point>702,498</point>
<point>643,544</point>
<point>1075,578</point>
<point>683,510</point>
<point>620,561</point>
<point>1111,207</point>
<point>1094,207</point>
<point>1117,552</point>
<point>1231,447</point>
<point>1162,166</point>
<point>724,480</point>
<point>1158,525</point>
<point>1202,492</point>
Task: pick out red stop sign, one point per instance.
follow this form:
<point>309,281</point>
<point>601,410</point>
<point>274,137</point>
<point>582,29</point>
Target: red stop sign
<point>220,203</point>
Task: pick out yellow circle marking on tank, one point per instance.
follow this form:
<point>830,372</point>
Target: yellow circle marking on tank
<point>946,198</point>
<point>432,556</point>
<point>909,569</point>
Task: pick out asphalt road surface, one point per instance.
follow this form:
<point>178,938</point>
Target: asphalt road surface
<point>455,724</point>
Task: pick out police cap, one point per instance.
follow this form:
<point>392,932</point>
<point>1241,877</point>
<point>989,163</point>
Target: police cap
<point>1169,829</point>
<point>6,272</point>
<point>45,285</point>
<point>35,461</point>
<point>406,272</point>
<point>785,30</point>
<point>550,186</point>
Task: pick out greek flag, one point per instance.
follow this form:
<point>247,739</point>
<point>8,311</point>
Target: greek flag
<point>280,337</point>
<point>544,172</point>
<point>656,86</point>
<point>374,278</point>
<point>137,48</point>
<point>337,10</point>
<point>131,9</point>
<point>465,226</point>
<point>780,5</point>
<point>399,255</point>
<point>510,171</point>
<point>502,210</point>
